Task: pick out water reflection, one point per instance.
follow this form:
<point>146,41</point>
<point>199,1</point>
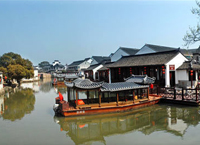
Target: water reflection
<point>31,85</point>
<point>45,85</point>
<point>18,104</point>
<point>170,119</point>
<point>1,105</point>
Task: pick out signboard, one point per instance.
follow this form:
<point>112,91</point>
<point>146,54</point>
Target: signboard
<point>172,67</point>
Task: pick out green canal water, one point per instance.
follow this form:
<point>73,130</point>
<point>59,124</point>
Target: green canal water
<point>27,118</point>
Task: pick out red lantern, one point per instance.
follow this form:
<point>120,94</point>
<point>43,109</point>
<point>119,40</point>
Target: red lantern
<point>151,86</point>
<point>191,72</point>
<point>130,70</point>
<point>119,71</point>
<point>5,77</point>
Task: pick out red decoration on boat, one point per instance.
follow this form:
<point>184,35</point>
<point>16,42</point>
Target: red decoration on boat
<point>80,102</point>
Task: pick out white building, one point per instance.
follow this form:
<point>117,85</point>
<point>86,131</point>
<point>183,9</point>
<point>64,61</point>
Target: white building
<point>149,48</point>
<point>35,77</point>
<point>123,51</point>
<point>92,72</point>
<point>78,67</point>
<point>163,66</point>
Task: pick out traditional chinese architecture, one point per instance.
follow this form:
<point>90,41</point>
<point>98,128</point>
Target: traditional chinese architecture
<point>123,51</point>
<point>104,73</point>
<point>161,65</point>
<point>86,97</point>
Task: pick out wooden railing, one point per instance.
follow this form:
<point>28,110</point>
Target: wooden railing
<point>177,93</point>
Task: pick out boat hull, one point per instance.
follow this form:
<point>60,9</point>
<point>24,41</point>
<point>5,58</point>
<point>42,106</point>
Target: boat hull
<point>104,110</point>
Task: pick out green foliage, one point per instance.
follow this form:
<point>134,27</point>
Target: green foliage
<point>15,67</point>
<point>4,70</point>
<point>194,32</point>
<point>43,64</point>
<point>16,72</point>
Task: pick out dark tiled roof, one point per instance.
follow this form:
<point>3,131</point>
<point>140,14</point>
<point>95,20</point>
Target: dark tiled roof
<point>158,48</point>
<point>186,66</point>
<point>130,51</point>
<point>101,59</point>
<point>92,67</point>
<point>141,79</point>
<point>160,58</point>
<point>105,67</point>
<point>87,59</point>
<point>75,63</point>
<point>121,86</point>
<point>84,84</point>
<point>187,52</point>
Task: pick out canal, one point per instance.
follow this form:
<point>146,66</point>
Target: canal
<point>27,118</point>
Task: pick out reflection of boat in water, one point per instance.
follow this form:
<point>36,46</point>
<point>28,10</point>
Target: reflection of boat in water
<point>102,97</point>
<point>89,129</point>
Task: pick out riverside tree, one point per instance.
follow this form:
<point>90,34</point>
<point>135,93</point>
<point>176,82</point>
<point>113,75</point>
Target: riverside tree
<point>16,67</point>
<point>194,32</point>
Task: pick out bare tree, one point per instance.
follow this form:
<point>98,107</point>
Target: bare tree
<point>194,32</point>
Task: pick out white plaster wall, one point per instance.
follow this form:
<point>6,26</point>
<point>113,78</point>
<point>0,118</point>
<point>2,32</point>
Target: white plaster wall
<point>144,50</point>
<point>110,76</point>
<point>182,75</point>
<point>36,74</point>
<point>95,70</point>
<point>84,65</point>
<point>178,60</point>
<point>89,60</point>
<point>118,54</point>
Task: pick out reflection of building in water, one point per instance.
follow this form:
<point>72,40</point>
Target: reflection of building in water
<point>1,105</point>
<point>45,85</point>
<point>1,81</point>
<point>90,129</point>
<point>31,85</point>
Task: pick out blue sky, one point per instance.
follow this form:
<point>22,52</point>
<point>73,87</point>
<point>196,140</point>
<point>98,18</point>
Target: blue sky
<point>73,30</point>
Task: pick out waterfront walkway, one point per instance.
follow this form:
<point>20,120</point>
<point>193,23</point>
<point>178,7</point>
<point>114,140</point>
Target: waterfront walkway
<point>178,95</point>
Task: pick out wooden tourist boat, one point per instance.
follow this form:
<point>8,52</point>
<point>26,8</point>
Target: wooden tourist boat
<point>59,80</point>
<point>86,97</point>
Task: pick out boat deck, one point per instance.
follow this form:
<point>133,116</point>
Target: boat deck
<point>112,104</point>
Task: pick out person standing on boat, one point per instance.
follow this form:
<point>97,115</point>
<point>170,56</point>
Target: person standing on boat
<point>60,96</point>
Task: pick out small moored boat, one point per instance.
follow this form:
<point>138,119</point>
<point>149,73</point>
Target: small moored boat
<point>86,97</point>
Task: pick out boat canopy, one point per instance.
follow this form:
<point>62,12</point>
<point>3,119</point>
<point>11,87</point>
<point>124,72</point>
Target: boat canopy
<point>72,76</point>
<point>84,84</point>
<point>133,82</point>
<point>140,79</point>
<point>121,86</point>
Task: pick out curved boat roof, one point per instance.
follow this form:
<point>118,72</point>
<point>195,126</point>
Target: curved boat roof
<point>84,84</point>
<point>121,86</point>
<point>140,79</point>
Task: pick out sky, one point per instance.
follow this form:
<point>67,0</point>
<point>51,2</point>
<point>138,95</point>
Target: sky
<point>72,30</point>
